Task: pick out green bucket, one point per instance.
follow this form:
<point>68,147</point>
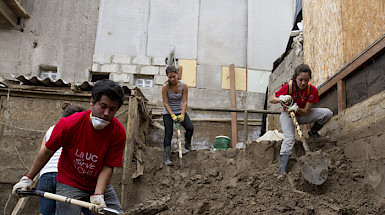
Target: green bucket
<point>221,143</point>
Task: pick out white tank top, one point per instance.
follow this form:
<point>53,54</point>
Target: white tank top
<point>51,166</point>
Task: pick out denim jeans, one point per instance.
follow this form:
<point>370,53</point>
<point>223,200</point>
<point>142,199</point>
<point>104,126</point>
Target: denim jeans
<point>169,126</point>
<point>47,183</point>
<point>110,197</point>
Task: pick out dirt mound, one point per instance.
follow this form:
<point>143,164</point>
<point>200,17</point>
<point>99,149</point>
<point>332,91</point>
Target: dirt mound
<point>232,182</point>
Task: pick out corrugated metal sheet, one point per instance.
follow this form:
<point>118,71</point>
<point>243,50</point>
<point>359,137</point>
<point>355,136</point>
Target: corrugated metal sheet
<point>48,82</point>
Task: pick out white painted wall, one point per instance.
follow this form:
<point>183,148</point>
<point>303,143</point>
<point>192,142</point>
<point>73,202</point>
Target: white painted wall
<point>251,33</point>
<point>223,33</point>
<point>173,23</point>
<point>122,27</point>
<point>257,81</point>
<point>269,26</point>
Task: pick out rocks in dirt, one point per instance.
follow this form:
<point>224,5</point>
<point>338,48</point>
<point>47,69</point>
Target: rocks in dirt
<point>150,207</point>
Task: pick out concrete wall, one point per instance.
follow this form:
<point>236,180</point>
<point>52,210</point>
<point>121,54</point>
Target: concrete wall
<point>23,123</point>
<point>253,37</point>
<point>58,33</point>
<point>282,74</point>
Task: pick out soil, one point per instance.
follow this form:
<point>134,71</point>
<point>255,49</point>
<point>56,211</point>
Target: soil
<point>233,182</point>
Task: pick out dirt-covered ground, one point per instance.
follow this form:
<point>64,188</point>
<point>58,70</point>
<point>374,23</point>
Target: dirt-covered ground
<point>233,182</point>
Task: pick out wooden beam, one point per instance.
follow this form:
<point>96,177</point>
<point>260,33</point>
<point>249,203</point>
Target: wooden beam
<point>341,94</point>
<point>180,72</point>
<point>355,64</point>
<point>233,94</point>
<point>17,8</point>
<point>8,14</point>
<point>131,131</point>
<point>236,110</point>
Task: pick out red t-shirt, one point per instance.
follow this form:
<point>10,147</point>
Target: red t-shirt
<point>301,97</point>
<point>85,149</point>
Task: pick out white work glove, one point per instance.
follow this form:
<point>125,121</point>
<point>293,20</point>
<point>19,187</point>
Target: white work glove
<point>25,183</point>
<point>99,203</point>
<point>285,98</point>
<point>293,108</point>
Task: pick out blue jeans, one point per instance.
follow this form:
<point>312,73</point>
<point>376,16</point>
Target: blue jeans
<point>110,197</point>
<point>47,183</point>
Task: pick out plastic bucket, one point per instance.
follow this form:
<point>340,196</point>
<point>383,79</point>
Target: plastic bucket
<point>221,143</point>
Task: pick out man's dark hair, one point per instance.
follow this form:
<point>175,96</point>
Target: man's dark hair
<point>69,109</point>
<point>300,69</point>
<point>170,69</point>
<point>109,88</point>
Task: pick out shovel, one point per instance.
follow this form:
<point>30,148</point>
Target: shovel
<point>179,142</point>
<point>60,198</point>
<point>314,167</point>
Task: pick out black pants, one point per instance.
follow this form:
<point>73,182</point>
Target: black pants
<point>169,126</point>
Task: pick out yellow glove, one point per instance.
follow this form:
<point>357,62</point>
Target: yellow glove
<point>174,117</point>
<point>181,118</point>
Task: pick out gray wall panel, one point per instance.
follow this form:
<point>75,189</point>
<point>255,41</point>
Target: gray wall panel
<point>122,27</point>
<point>222,33</point>
<point>173,23</point>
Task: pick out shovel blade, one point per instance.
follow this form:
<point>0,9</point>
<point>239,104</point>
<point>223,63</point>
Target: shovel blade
<point>314,167</point>
<point>112,211</point>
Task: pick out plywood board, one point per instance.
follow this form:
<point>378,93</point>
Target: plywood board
<point>323,39</point>
<point>363,24</point>
<point>189,75</point>
<point>240,78</point>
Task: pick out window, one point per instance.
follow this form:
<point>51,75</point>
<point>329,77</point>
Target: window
<point>48,71</point>
<point>99,76</point>
<point>144,80</point>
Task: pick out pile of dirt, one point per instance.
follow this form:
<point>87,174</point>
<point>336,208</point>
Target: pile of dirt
<point>232,182</point>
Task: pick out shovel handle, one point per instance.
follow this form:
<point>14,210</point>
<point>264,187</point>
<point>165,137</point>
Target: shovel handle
<point>180,143</point>
<point>304,144</point>
<point>55,197</point>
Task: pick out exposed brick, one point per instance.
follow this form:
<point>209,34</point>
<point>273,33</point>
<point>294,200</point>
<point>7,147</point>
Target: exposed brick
<point>141,60</point>
<point>158,61</point>
<point>160,79</point>
<point>95,67</point>
<point>121,59</point>
<point>113,68</point>
<point>121,78</point>
<point>129,69</point>
<point>149,70</point>
<point>102,59</point>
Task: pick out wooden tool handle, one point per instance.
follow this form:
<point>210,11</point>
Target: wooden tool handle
<point>180,143</point>
<point>67,200</point>
<point>296,124</point>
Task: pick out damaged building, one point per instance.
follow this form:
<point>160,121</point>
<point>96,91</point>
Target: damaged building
<point>233,55</point>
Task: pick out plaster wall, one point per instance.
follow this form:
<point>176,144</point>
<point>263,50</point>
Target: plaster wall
<point>269,26</point>
<point>59,33</point>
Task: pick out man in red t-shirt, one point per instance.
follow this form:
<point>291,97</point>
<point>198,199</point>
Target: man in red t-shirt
<point>304,95</point>
<point>93,143</point>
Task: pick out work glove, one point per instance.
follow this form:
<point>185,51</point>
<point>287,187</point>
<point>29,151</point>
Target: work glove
<point>174,117</point>
<point>98,203</point>
<point>25,183</point>
<point>181,118</point>
<point>285,98</point>
<point>293,108</point>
